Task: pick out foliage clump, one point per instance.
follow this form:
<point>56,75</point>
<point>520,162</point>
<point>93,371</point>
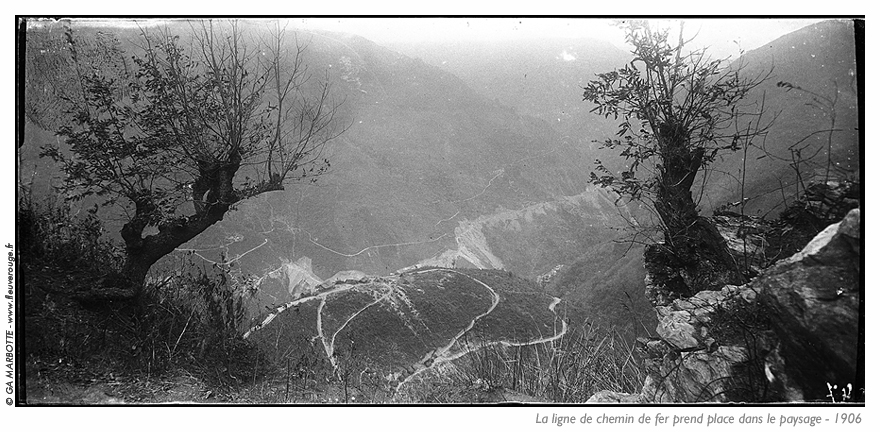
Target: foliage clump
<point>679,110</point>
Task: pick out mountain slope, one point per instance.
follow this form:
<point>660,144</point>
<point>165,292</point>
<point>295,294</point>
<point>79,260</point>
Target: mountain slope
<point>604,278</point>
<point>403,327</point>
<point>821,60</point>
<point>432,172</point>
<point>423,157</point>
<point>426,166</point>
<point>543,78</point>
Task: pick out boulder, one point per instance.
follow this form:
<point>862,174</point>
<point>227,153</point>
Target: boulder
<point>675,328</point>
<point>697,376</point>
<point>814,296</point>
<point>683,324</point>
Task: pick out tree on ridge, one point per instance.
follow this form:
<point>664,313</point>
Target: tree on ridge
<point>179,133</point>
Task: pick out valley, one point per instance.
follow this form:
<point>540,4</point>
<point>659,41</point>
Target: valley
<point>463,181</point>
<point>458,223</point>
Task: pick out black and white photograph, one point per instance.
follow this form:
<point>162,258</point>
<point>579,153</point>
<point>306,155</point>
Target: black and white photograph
<point>494,211</point>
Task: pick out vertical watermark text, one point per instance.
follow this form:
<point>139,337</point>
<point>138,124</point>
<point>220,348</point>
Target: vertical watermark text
<point>9,296</point>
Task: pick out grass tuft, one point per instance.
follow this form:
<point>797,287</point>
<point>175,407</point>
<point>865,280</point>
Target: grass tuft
<point>570,370</point>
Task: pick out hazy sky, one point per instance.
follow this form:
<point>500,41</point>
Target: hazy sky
<point>723,36</point>
<point>720,34</point>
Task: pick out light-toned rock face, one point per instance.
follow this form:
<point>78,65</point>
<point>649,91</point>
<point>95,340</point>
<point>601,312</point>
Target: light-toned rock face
<point>683,324</point>
<point>674,327</point>
<point>300,278</point>
<point>836,242</point>
<point>687,364</point>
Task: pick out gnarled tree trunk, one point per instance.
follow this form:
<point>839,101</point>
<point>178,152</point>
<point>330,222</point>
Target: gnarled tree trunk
<point>692,243</point>
<point>213,195</point>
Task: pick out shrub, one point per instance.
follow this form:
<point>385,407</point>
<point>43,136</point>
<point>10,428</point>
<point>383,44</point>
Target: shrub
<point>190,322</point>
<point>50,234</point>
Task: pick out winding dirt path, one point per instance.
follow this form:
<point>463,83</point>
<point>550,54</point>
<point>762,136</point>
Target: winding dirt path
<point>331,349</point>
<point>320,330</point>
<point>319,296</point>
<point>433,358</point>
<point>328,344</point>
<point>442,355</point>
<point>495,300</point>
<point>350,255</point>
<point>225,248</point>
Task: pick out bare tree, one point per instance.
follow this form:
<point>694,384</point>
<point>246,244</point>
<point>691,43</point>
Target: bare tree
<point>193,127</point>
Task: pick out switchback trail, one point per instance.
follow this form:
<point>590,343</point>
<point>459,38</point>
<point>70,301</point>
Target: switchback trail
<point>443,354</point>
<point>319,296</point>
<point>327,342</point>
<point>433,358</point>
<point>331,348</point>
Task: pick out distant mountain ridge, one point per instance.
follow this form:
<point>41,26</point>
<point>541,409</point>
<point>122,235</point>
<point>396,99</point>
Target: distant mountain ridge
<point>814,58</point>
<point>542,78</point>
<point>423,156</point>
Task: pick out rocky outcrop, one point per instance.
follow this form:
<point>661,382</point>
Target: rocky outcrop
<point>821,205</point>
<point>814,297</point>
<point>684,324</point>
<point>753,242</point>
<point>788,335</point>
<point>695,359</point>
<point>824,203</point>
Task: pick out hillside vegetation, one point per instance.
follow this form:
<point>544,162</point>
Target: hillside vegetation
<point>375,339</point>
